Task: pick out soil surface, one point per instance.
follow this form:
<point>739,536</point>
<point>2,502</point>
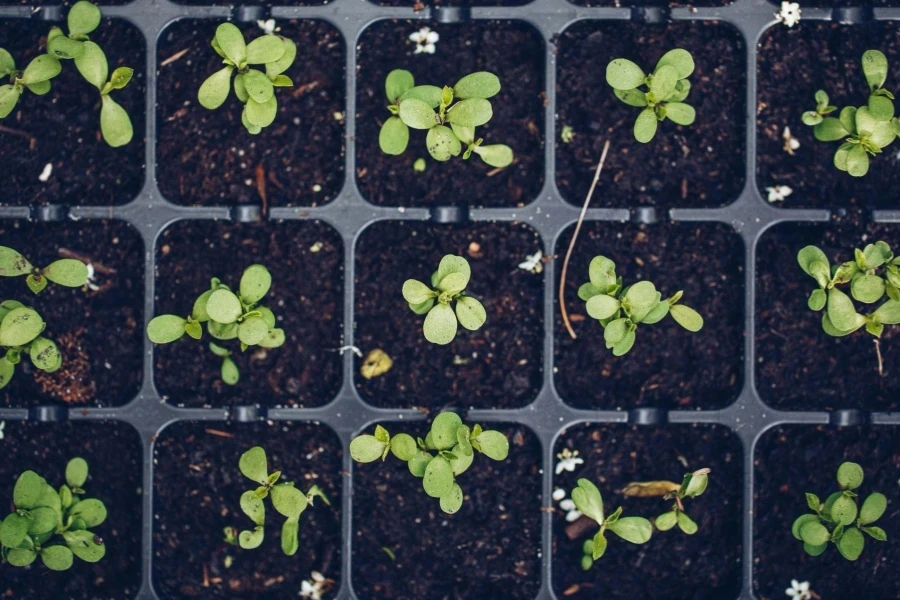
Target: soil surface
<point>113,452</point>
<point>799,366</point>
<point>99,332</point>
<point>673,3</point>
<point>497,366</point>
<point>62,128</point>
<point>405,546</point>
<point>668,367</point>
<point>672,565</point>
<point>198,487</point>
<point>793,64</point>
<point>514,52</point>
<point>697,166</point>
<point>306,262</point>
<point>793,460</point>
<point>208,157</point>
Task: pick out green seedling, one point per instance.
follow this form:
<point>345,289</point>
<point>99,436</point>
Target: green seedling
<point>255,88</point>
<point>53,524</point>
<point>691,486</point>
<point>66,272</point>
<point>660,94</point>
<point>448,284</point>
<point>621,309</point>
<point>228,316</point>
<point>449,115</point>
<point>446,452</point>
<point>865,130</point>
<point>838,519</point>
<point>20,335</point>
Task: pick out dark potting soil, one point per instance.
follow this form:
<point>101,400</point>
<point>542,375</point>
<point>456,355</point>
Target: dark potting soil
<point>99,332</point>
<point>497,366</point>
<point>795,459</point>
<point>799,366</point>
<point>62,127</point>
<point>197,489</point>
<point>306,262</point>
<point>672,565</point>
<point>668,367</point>
<point>697,166</point>
<point>405,546</point>
<point>793,64</point>
<point>514,51</point>
<point>113,452</point>
<point>208,157</point>
<point>672,3</point>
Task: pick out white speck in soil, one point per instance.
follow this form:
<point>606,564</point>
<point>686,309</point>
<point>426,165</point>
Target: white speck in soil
<point>45,174</point>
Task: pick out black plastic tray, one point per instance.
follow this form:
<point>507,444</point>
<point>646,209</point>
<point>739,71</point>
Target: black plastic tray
<point>750,215</point>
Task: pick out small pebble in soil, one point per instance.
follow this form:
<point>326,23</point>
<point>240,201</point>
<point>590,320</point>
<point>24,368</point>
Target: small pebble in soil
<point>45,174</point>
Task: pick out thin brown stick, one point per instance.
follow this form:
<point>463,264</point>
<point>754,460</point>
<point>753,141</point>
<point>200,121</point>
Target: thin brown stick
<point>174,57</point>
<point>880,361</point>
<point>565,268</point>
<point>32,141</point>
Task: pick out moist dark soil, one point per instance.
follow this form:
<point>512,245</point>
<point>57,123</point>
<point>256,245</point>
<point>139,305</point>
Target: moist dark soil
<point>799,366</point>
<point>99,332</point>
<point>497,366</point>
<point>62,127</point>
<point>113,452</point>
<point>668,367</point>
<point>793,64</point>
<point>673,3</point>
<point>795,459</point>
<point>306,262</point>
<point>198,488</point>
<point>697,166</point>
<point>672,565</point>
<point>208,157</point>
<point>405,546</point>
<point>514,51</point>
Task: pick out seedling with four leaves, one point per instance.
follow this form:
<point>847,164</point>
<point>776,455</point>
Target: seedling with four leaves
<point>228,316</point>
<point>53,524</point>
<point>286,499</point>
<point>621,309</point>
<point>253,87</point>
<point>691,486</point>
<point>20,335</point>
<point>665,91</point>
<point>66,272</point>
<point>448,284</point>
<point>838,519</point>
<point>446,452</point>
<point>463,107</point>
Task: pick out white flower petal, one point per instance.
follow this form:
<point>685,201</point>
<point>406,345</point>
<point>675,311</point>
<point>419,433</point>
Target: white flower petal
<point>567,504</point>
<point>573,515</point>
<point>558,493</point>
<point>432,37</point>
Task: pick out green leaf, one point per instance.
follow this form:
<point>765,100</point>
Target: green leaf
<point>452,264</point>
<point>875,68</point>
<point>76,472</point>
<point>397,83</point>
<point>642,293</point>
<point>276,68</point>
<point>888,313</point>
<point>857,161</point>
<point>57,558</point>
<point>40,69</point>
<point>841,311</point>
<point>682,91</point>
<point>872,509</point>
<point>121,77</point>
<point>645,126</point>
<point>289,533</point>
<point>45,355</point>
<point>224,307</point>
<point>683,114</point>
<point>452,502</point>
<point>440,325</point>
<point>470,312</point>
<point>403,446</point>
<point>598,549</point>
<point>9,96</point>
<point>800,522</point>
<point>28,490</point>
<point>288,500</point>
<point>622,74</point>
<point>229,371</point>
<point>255,281</point>
<point>844,510</point>
<point>680,59</point>
<point>394,136</point>
<point>833,331</point>
<point>7,370</point>
<point>812,501</point>
<point>443,430</point>
<point>417,114</point>
<point>814,533</point>
<point>657,313</point>
<point>810,255</point>
<point>636,530</point>
<point>231,41</point>
<point>876,532</point>
<point>622,347</point>
<point>492,444</point>
<point>830,130</point>
<point>115,124</point>
<point>848,118</point>
<point>867,288</point>
<point>666,521</point>
<point>850,475</point>
<point>472,112</point>
<point>811,118</point>
<point>441,143</point>
<point>259,88</point>
<point>419,463</point>
<point>66,48</point>
<point>430,94</point>
<point>462,461</point>
<point>615,332</point>
<point>633,97</point>
<point>67,272</point>
<point>252,330</point>
<point>814,550</point>
<point>7,63</point>
<point>466,135</point>
<point>215,89</point>
<point>91,511</point>
<point>83,18</point>
<point>91,63</point>
<point>438,480</point>
<point>881,108</point>
<point>817,300</point>
<point>851,544</point>
<point>13,530</point>
<point>602,273</point>
<point>687,317</point>
<point>261,115</point>
<point>602,306</point>
<point>84,545</point>
<point>165,329</point>
<point>21,557</point>
<point>251,539</point>
<point>254,465</point>
<point>697,485</point>
<point>662,82</point>
<point>265,49</point>
<point>366,449</point>
<point>416,292</point>
<point>495,155</point>
<point>253,507</point>
<point>588,501</point>
<point>477,85</point>
<point>13,264</point>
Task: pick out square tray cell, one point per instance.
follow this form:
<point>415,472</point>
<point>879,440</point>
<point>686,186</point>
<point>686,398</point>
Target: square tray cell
<point>792,460</point>
<point>98,329</point>
<point>793,64</point>
<point>512,50</point>
<point>197,492</point>
<point>113,452</point>
<point>668,367</point>
<point>208,158</point>
<point>62,127</point>
<point>306,262</point>
<point>672,564</point>
<point>697,166</point>
<point>798,365</point>
<point>497,366</point>
<point>491,548</point>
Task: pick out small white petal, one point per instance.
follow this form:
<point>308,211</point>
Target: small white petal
<point>567,504</point>
<point>558,494</point>
<point>573,515</point>
<point>415,37</point>
<point>45,174</point>
<point>429,48</point>
<point>432,37</point>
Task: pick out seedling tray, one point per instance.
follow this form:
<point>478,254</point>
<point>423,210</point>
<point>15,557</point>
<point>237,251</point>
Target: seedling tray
<point>745,409</point>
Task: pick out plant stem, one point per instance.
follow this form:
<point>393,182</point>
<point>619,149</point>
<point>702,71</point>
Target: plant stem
<point>565,268</point>
<point>880,361</point>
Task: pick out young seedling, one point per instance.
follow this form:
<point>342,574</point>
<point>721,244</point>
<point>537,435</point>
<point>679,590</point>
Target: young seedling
<point>20,334</point>
<point>665,91</point>
<point>839,520</point>
<point>447,284</point>
<point>691,486</point>
<point>446,452</point>
<point>228,316</point>
<point>36,78</point>
<point>66,272</point>
<point>873,274</point>
<point>53,524</point>
<point>253,87</point>
<point>866,130</point>
<point>588,501</point>
<point>286,499</point>
<point>463,107</point>
<point>621,309</point>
